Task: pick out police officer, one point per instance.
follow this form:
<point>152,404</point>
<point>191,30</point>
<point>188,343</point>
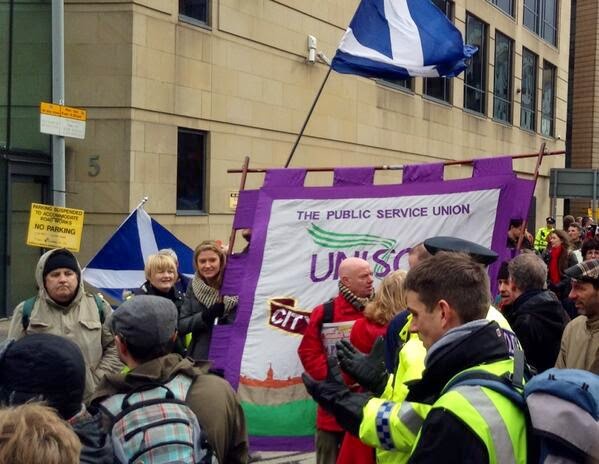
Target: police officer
<point>448,298</point>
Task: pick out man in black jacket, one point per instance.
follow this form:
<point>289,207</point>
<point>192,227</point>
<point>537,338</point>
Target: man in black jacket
<point>535,314</point>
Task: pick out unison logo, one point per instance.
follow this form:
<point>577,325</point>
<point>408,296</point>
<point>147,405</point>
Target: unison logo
<point>380,251</point>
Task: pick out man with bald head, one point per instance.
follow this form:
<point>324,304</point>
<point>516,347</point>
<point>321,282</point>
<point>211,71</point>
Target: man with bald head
<point>355,290</point>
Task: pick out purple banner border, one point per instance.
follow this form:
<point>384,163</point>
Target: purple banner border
<point>511,191</point>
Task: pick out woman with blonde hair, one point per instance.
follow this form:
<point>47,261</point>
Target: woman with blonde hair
<point>203,304</point>
<point>33,433</point>
<point>389,299</point>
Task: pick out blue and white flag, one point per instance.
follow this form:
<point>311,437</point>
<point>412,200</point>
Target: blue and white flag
<point>398,39</point>
<point>119,265</point>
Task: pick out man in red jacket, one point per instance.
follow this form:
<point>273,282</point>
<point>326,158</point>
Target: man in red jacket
<point>355,290</point>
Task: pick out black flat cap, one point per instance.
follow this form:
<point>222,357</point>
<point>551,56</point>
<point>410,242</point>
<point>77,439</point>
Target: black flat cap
<point>587,271</point>
<point>478,253</point>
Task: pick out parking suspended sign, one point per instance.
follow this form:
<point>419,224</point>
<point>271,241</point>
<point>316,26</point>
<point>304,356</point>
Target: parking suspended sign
<point>55,227</point>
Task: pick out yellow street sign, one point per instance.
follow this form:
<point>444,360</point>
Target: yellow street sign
<point>55,227</point>
<point>62,120</point>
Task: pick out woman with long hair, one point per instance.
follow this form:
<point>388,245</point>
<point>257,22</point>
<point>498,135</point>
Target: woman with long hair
<point>559,258</point>
<point>389,299</point>
<point>203,304</point>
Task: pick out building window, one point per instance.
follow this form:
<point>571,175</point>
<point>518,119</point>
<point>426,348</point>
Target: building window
<point>197,10</point>
<point>191,170</point>
<point>440,87</point>
<point>405,84</point>
<point>502,86</point>
<point>540,16</point>
<point>548,99</point>
<point>505,5</point>
<point>475,76</point>
<point>528,95</point>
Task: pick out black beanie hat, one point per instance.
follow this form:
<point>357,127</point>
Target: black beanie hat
<point>61,258</point>
<point>43,367</point>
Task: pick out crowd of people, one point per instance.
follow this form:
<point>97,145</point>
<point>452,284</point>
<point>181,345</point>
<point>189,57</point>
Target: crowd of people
<point>132,384</point>
<point>396,399</point>
<point>81,382</point>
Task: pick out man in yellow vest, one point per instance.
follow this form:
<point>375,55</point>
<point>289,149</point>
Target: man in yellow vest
<point>448,298</point>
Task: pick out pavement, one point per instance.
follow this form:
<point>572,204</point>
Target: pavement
<point>279,457</point>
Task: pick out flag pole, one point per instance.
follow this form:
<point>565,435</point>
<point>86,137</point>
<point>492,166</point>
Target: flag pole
<point>141,203</point>
<point>535,178</point>
<point>244,173</point>
<point>301,132</point>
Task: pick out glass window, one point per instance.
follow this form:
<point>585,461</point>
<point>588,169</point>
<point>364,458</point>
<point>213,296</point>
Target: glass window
<point>475,76</point>
<point>528,95</point>
<point>30,74</point>
<point>549,24</point>
<point>505,5</point>
<point>502,86</point>
<point>531,14</point>
<point>191,170</point>
<point>407,84</point>
<point>195,9</point>
<point>548,99</point>
<point>4,72</point>
<point>440,87</point>
<point>540,16</point>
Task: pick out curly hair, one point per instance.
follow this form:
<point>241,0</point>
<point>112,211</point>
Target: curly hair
<point>34,433</point>
<point>389,299</point>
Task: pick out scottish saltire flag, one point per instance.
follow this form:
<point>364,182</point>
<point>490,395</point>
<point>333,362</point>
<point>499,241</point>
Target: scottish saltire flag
<point>119,265</point>
<point>398,39</point>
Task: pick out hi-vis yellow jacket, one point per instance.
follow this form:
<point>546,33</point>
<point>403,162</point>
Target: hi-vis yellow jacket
<point>390,424</point>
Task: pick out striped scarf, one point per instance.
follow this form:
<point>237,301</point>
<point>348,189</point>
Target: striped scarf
<point>356,301</point>
<point>208,295</point>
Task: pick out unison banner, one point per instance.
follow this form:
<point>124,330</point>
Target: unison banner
<point>300,235</point>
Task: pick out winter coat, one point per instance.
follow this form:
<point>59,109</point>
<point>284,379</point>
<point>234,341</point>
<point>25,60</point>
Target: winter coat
<point>80,322</point>
<point>312,353</point>
<point>96,447</point>
<point>580,345</point>
<point>538,319</point>
<point>191,321</point>
<point>211,399</point>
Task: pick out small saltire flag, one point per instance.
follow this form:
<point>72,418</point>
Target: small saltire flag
<point>398,39</point>
<point>119,265</point>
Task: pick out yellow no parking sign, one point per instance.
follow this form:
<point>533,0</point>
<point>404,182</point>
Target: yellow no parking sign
<point>55,227</point>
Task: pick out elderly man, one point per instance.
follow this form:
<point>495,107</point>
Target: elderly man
<point>355,289</point>
<point>62,307</point>
<point>580,341</point>
<point>535,314</point>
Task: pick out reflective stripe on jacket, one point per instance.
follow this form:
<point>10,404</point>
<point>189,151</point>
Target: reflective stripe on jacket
<point>496,420</point>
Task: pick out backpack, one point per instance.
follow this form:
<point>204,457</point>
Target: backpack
<point>151,424</point>
<point>28,308</point>
<point>561,407</point>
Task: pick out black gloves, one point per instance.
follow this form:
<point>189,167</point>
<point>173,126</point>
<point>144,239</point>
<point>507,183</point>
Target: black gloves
<point>214,311</point>
<point>368,369</point>
<point>334,396</point>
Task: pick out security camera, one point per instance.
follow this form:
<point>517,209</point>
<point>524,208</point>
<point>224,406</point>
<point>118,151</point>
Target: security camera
<point>312,44</point>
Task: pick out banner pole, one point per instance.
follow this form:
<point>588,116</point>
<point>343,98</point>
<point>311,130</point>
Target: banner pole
<point>535,178</point>
<point>244,173</point>
<point>301,132</point>
<point>399,167</point>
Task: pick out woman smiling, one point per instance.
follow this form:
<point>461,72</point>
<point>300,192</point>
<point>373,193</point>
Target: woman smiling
<point>203,304</point>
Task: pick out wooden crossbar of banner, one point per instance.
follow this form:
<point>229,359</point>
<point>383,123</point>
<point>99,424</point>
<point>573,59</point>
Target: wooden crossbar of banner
<point>399,167</point>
